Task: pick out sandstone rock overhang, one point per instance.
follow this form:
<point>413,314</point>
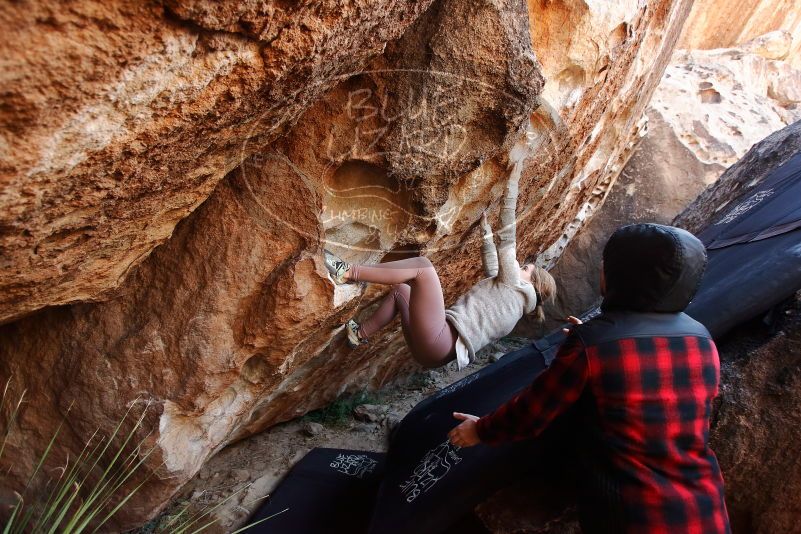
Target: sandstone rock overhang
<point>233,143</point>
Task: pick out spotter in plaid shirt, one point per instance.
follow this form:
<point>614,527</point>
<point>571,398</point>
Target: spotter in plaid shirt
<point>653,397</point>
<point>642,377</point>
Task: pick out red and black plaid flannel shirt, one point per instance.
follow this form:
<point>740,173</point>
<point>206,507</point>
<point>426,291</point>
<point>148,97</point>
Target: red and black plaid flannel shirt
<point>653,399</point>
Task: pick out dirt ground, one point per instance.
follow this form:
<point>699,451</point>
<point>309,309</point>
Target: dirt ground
<point>233,483</point>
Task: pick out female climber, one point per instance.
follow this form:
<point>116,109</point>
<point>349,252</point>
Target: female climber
<point>489,311</point>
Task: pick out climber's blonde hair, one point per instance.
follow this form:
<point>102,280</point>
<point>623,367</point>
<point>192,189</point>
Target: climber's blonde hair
<point>545,285</point>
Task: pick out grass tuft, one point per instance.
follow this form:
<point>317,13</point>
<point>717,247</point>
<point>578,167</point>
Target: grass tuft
<point>84,493</point>
<point>340,411</point>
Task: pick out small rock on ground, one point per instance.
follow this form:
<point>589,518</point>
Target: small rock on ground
<point>312,429</point>
<point>393,419</point>
<point>494,357</point>
<point>240,475</point>
<point>369,413</point>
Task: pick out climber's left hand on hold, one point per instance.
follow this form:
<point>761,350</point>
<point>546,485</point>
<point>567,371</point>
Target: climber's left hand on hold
<point>485,225</point>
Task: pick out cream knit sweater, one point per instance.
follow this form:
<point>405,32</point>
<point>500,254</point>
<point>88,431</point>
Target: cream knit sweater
<point>493,306</point>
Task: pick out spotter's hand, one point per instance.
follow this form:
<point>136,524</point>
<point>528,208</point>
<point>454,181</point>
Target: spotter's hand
<point>573,321</point>
<point>466,434</point>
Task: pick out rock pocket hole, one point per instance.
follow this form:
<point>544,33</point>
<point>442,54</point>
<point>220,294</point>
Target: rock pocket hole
<point>364,211</point>
<point>618,36</point>
<point>256,370</point>
<point>708,94</point>
<point>401,252</point>
<point>570,83</point>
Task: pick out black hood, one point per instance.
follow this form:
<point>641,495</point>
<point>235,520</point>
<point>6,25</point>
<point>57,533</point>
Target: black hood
<point>652,268</point>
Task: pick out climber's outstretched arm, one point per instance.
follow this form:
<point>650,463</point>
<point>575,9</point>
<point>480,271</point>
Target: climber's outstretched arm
<point>508,268</point>
<point>489,256</point>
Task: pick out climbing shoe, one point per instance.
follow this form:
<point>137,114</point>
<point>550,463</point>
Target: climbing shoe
<point>354,339</point>
<point>336,267</point>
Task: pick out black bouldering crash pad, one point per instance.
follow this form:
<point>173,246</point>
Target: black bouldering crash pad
<point>328,491</point>
<point>754,253</point>
<point>429,484</point>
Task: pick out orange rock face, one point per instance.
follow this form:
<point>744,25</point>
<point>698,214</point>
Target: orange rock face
<point>242,138</point>
<point>727,23</point>
<point>121,117</point>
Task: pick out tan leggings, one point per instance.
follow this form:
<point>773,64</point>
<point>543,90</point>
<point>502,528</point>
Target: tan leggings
<point>417,295</point>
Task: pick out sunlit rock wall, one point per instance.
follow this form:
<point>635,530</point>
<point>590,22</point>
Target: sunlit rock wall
<point>378,132</point>
<point>601,61</point>
<point>720,102</point>
<point>727,23</point>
